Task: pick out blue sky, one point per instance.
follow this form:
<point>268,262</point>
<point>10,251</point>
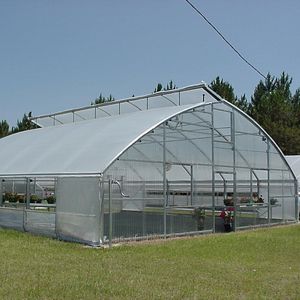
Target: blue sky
<point>60,54</point>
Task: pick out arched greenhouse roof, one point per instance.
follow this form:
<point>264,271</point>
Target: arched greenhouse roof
<point>86,147</point>
<point>89,139</point>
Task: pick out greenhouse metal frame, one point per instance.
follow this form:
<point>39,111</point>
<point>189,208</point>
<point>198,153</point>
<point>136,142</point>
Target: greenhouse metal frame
<point>176,162</point>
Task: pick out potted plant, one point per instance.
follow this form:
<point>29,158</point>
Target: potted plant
<point>8,197</point>
<point>227,215</point>
<point>273,201</point>
<point>51,199</point>
<point>35,199</point>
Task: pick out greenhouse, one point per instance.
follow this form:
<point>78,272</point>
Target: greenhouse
<point>176,162</point>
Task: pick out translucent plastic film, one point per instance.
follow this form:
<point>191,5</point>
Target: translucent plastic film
<point>78,209</point>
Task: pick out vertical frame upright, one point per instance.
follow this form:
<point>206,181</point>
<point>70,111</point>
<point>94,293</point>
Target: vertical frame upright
<point>1,191</point>
<point>164,180</point>
<point>268,181</point>
<point>110,212</point>
<point>213,169</point>
<point>233,143</point>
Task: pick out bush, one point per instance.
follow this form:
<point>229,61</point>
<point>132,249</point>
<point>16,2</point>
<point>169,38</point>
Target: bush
<point>35,199</point>
<point>20,198</point>
<point>10,197</point>
<point>51,199</point>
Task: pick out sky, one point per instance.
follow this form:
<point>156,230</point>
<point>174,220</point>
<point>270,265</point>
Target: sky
<point>61,54</point>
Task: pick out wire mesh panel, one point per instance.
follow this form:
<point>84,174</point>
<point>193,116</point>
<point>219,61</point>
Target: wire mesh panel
<point>25,204</point>
<point>13,192</point>
<point>136,208</point>
<point>12,218</point>
<point>78,209</point>
<point>40,221</point>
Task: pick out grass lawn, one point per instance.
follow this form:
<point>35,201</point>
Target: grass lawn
<point>260,264</point>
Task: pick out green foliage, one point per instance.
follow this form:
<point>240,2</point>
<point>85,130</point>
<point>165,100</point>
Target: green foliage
<point>223,89</point>
<point>170,86</point>
<point>158,88</point>
<point>102,99</point>
<point>10,197</point>
<point>24,124</point>
<point>4,128</point>
<point>14,197</point>
<point>260,264</point>
<point>226,91</point>
<point>35,199</point>
<point>275,108</point>
<point>51,199</point>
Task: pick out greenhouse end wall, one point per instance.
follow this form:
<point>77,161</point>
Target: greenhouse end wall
<point>181,176</point>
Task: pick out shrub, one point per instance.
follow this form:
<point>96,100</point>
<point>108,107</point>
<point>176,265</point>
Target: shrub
<point>9,197</point>
<point>19,198</point>
<point>35,199</point>
<point>51,199</point>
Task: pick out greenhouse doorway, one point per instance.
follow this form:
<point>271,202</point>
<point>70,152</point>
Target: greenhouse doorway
<point>179,179</point>
<point>224,201</point>
<point>184,212</point>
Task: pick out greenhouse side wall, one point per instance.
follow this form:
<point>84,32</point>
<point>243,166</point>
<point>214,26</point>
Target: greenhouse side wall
<point>28,204</point>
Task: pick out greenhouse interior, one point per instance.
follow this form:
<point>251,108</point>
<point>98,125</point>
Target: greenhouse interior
<point>171,163</point>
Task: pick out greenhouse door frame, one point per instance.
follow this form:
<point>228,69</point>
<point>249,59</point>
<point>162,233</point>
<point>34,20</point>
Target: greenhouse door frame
<point>221,173</point>
<point>188,168</point>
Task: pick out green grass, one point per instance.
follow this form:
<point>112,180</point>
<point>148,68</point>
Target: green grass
<point>260,264</point>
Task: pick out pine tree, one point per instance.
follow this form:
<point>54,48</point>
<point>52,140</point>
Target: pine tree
<point>223,89</point>
<point>4,128</point>
<point>102,99</point>
<point>24,124</point>
<point>158,88</point>
<point>273,107</point>
<point>226,91</point>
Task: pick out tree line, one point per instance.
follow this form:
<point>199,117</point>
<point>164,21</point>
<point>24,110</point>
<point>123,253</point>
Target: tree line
<point>23,124</point>
<point>272,105</point>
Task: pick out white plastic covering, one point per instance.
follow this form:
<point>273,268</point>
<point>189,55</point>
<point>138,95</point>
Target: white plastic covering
<point>86,147</point>
<point>294,162</point>
<point>78,209</point>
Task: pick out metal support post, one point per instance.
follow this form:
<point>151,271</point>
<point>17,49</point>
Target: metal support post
<point>296,200</point>
<point>110,212</point>
<point>192,185</point>
<point>234,170</point>
<point>27,193</point>
<point>143,211</point>
<point>1,191</point>
<point>164,180</point>
<point>213,170</point>
<point>251,186</point>
<point>224,185</point>
<point>268,183</point>
<point>101,207</point>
